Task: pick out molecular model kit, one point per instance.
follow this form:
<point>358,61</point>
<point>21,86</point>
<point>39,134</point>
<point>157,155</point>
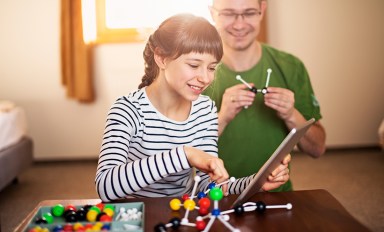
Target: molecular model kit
<point>216,194</point>
<point>80,218</point>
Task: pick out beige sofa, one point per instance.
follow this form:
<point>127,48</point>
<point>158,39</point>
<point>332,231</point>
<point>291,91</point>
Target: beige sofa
<point>15,159</point>
<point>16,147</point>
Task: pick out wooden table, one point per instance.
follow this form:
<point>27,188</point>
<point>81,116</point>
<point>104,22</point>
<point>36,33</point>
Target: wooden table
<point>313,210</point>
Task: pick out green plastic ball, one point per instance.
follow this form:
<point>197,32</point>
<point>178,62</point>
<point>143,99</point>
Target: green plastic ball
<point>48,217</point>
<point>216,194</point>
<point>58,210</point>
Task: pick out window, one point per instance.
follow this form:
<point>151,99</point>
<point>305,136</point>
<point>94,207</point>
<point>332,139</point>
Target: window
<point>132,20</point>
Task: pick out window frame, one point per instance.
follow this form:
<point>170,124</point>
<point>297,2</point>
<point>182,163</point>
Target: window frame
<point>137,35</point>
<point>121,35</point>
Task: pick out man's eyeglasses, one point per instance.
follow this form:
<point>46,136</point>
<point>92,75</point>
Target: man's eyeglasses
<point>248,15</point>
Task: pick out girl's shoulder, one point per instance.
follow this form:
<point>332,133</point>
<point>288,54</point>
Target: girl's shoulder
<point>204,100</point>
<point>136,97</point>
<point>204,104</point>
<point>132,103</point>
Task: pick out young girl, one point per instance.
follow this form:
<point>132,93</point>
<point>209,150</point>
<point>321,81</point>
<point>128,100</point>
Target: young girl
<point>161,135</point>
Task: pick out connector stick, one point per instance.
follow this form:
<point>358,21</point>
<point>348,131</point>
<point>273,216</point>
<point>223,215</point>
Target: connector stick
<point>269,71</point>
<point>238,77</point>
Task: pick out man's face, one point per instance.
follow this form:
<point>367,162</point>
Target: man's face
<point>238,21</point>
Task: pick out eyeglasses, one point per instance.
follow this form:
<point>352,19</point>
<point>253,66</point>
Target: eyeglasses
<point>229,16</point>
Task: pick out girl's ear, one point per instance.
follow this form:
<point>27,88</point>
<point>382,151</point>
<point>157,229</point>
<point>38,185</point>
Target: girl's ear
<point>160,61</point>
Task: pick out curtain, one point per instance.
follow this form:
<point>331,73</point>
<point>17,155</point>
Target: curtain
<point>262,37</point>
<point>76,56</point>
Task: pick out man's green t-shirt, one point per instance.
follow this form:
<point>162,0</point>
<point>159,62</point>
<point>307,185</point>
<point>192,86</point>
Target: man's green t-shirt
<point>253,135</point>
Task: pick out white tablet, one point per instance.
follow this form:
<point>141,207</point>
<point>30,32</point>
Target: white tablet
<point>273,162</point>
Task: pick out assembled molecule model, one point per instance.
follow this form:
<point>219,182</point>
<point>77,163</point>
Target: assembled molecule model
<point>215,194</point>
<point>254,89</point>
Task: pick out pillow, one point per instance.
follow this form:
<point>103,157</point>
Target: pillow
<point>13,124</point>
<point>6,106</point>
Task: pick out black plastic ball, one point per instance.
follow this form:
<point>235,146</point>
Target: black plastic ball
<point>260,207</point>
<point>81,214</point>
<point>87,207</point>
<point>41,221</point>
<point>239,209</point>
<point>176,222</point>
<point>160,227</point>
<point>71,216</point>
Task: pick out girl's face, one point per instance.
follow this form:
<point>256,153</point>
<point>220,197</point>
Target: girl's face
<point>189,74</point>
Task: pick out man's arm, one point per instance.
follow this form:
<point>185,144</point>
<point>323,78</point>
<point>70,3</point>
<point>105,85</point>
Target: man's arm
<point>313,142</point>
<point>282,100</point>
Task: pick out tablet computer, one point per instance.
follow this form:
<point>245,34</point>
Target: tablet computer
<point>273,162</point>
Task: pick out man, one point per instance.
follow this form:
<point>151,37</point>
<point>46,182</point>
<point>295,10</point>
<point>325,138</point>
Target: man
<point>251,126</point>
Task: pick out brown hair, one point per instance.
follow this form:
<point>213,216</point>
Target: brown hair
<point>179,35</point>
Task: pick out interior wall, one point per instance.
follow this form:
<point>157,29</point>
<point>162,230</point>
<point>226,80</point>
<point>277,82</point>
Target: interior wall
<point>339,41</point>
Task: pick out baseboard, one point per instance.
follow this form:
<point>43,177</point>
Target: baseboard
<point>53,161</point>
<point>355,148</point>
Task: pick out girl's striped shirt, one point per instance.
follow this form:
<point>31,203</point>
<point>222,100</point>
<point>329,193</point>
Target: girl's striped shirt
<point>142,152</point>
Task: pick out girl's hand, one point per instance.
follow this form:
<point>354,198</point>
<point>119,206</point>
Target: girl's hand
<point>209,164</point>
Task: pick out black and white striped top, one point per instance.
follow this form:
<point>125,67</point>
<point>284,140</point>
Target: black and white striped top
<point>142,153</point>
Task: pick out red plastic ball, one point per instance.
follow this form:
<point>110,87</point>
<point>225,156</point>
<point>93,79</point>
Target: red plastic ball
<point>200,225</point>
<point>100,206</point>
<point>67,227</point>
<point>70,207</point>
<point>203,211</point>
<point>185,197</point>
<point>204,202</point>
<point>105,218</point>
<point>88,226</point>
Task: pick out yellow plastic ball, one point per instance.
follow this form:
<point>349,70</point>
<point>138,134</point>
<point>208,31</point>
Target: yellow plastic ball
<point>109,211</point>
<point>35,229</point>
<point>96,227</point>
<point>175,204</point>
<point>78,226</point>
<point>189,204</point>
<point>99,224</point>
<point>92,215</point>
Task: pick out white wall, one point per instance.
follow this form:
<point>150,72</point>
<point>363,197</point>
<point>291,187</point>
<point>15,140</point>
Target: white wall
<point>339,41</point>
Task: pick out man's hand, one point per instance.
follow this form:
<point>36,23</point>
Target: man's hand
<point>279,176</point>
<point>281,100</point>
<point>234,100</point>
